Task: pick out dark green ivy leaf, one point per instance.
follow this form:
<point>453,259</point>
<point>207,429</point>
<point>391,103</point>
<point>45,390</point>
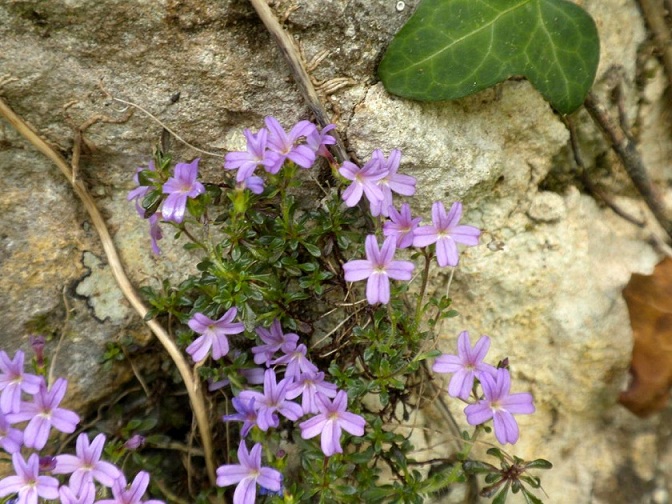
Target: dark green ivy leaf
<point>450,49</point>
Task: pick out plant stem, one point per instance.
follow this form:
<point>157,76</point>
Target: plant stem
<point>393,322</point>
<point>425,278</point>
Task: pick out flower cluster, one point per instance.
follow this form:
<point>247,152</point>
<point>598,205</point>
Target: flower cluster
<point>378,179</point>
<point>285,386</point>
<point>27,399</point>
<point>321,400</point>
<point>497,402</point>
<point>269,148</point>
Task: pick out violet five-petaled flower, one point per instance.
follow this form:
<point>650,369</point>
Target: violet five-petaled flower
<point>155,232</point>
<point>296,361</point>
<point>272,401</point>
<point>331,421</point>
<point>378,267</point>
<point>401,225</point>
<point>86,465</point>
<point>181,186</point>
<point>11,439</point>
<point>364,181</point>
<point>213,334</point>
<point>137,194</point>
<point>85,495</point>
<point>500,405</point>
<point>245,412</point>
<point>43,413</point>
<point>274,339</point>
<point>466,365</point>
<point>27,482</point>
<point>253,183</point>
<point>247,474</point>
<point>286,145</point>
<point>391,182</point>
<point>446,232</point>
<point>318,140</point>
<point>307,386</point>
<point>13,380</point>
<point>134,442</point>
<point>255,155</point>
<point>122,493</point>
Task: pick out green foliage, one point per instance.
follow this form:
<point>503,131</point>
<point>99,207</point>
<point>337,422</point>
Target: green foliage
<point>450,49</point>
<point>279,255</point>
<point>511,475</point>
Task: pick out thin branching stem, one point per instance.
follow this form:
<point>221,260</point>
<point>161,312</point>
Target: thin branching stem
<point>423,288</point>
<point>626,150</point>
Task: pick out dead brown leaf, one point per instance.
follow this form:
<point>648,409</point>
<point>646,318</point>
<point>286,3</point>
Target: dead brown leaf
<point>649,300</point>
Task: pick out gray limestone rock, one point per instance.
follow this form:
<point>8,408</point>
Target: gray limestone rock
<point>545,284</point>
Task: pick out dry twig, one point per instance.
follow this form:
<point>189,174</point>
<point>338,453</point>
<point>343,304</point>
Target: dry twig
<point>291,54</point>
<point>626,150</point>
<point>654,13</point>
<point>192,385</point>
<point>593,188</point>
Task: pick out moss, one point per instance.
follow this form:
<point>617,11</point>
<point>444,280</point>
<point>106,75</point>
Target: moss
<point>48,324</point>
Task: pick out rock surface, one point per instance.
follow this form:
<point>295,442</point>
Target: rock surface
<point>545,284</point>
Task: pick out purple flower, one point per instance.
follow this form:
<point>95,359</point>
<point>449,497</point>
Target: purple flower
<point>86,465</point>
<point>247,474</point>
<point>256,154</point>
<point>364,181</point>
<point>332,418</point>
<point>296,361</point>
<point>44,413</point>
<point>254,376</point>
<point>307,386</point>
<point>85,495</point>
<point>155,232</point>
<point>378,267</point>
<point>401,225</point>
<point>500,405</point>
<point>271,401</point>
<point>27,482</point>
<point>246,413</point>
<point>253,183</point>
<point>47,463</point>
<point>180,187</point>
<point>318,140</point>
<point>285,145</point>
<point>216,385</point>
<point>274,340</point>
<point>38,343</point>
<point>467,365</point>
<point>446,233</point>
<point>213,334</point>
<point>140,192</point>
<point>13,380</point>
<point>11,439</point>
<point>134,442</point>
<point>132,495</point>
<point>393,181</point>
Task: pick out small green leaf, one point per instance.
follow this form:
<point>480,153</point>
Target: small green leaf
<point>312,249</point>
<point>539,464</point>
<point>450,49</point>
<point>501,496</point>
<point>530,498</point>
